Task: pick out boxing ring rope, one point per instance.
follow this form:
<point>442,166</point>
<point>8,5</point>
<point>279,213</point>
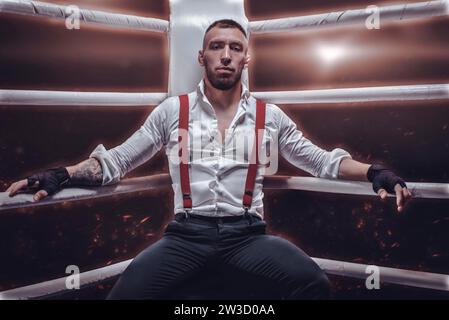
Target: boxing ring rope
<point>74,98</point>
<point>394,13</point>
<point>419,189</point>
<point>411,278</point>
<point>367,94</point>
<point>59,285</point>
<point>44,9</point>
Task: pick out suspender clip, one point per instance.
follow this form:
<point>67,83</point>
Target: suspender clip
<point>247,215</point>
<point>187,212</point>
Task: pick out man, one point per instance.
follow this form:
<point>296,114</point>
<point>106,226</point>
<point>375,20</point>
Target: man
<point>213,224</point>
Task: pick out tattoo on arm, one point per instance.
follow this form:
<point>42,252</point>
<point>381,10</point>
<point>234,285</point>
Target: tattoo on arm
<point>86,173</point>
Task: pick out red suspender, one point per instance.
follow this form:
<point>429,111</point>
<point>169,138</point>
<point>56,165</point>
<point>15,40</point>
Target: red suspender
<point>183,127</point>
<point>254,159</point>
<point>183,130</point>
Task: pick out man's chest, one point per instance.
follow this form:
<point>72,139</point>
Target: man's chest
<point>216,139</point>
<point>224,121</point>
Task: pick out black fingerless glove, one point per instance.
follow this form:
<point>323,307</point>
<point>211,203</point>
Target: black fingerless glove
<point>50,180</point>
<point>383,178</point>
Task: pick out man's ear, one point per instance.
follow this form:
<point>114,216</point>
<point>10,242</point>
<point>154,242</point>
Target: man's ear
<point>246,61</point>
<point>201,57</point>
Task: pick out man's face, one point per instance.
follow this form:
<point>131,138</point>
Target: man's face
<point>224,56</point>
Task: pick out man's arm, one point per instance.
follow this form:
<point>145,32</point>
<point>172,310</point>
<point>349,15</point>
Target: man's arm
<point>353,170</point>
<point>302,153</point>
<point>337,163</point>
<point>383,179</point>
<point>86,173</point>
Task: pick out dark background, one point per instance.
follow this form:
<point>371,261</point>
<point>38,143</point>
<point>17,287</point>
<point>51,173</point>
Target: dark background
<point>413,138</point>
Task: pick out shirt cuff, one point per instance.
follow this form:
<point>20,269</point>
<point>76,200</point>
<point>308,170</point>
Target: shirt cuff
<point>111,174</point>
<point>332,166</point>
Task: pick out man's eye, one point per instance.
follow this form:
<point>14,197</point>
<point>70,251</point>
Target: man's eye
<point>237,48</point>
<point>215,46</point>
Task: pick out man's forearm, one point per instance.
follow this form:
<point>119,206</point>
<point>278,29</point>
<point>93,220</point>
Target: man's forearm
<point>353,170</point>
<point>86,173</point>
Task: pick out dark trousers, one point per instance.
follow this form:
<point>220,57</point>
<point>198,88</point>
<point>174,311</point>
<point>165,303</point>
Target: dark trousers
<point>236,251</point>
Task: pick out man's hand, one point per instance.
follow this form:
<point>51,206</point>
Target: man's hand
<point>385,181</point>
<point>47,182</point>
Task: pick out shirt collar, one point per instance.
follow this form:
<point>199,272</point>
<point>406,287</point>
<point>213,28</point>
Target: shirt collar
<point>244,96</point>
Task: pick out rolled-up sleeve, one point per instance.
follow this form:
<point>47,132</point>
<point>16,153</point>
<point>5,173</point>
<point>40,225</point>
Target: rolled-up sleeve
<point>136,150</point>
<point>302,153</point>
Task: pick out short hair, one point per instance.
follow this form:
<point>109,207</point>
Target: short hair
<point>226,23</point>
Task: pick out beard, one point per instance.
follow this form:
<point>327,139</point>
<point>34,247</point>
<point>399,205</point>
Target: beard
<point>223,81</point>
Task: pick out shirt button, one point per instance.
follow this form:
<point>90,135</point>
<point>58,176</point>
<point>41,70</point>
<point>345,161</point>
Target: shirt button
<point>212,184</point>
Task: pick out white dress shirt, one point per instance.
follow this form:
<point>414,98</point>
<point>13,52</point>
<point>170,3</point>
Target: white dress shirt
<point>217,172</point>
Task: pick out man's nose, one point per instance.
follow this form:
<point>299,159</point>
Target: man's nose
<point>226,56</point>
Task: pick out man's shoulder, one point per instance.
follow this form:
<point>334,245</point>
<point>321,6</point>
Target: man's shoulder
<point>271,108</point>
<point>169,106</point>
<point>252,99</point>
<point>169,102</point>
<point>173,101</point>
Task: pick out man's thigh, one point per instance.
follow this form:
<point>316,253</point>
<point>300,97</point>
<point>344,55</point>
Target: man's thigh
<point>275,268</point>
<point>160,268</point>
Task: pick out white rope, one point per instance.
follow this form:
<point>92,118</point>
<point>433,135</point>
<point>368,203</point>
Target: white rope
<point>392,13</point>
<point>367,94</point>
<point>423,190</point>
<point>43,9</point>
<point>419,189</point>
<point>59,285</point>
<point>411,278</point>
<point>73,98</point>
<point>341,268</point>
<point>358,16</point>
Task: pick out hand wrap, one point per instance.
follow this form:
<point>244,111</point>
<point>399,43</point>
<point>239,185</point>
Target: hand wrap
<point>383,178</point>
<point>50,180</point>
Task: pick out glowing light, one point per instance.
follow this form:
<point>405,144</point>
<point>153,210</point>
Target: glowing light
<point>330,54</point>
